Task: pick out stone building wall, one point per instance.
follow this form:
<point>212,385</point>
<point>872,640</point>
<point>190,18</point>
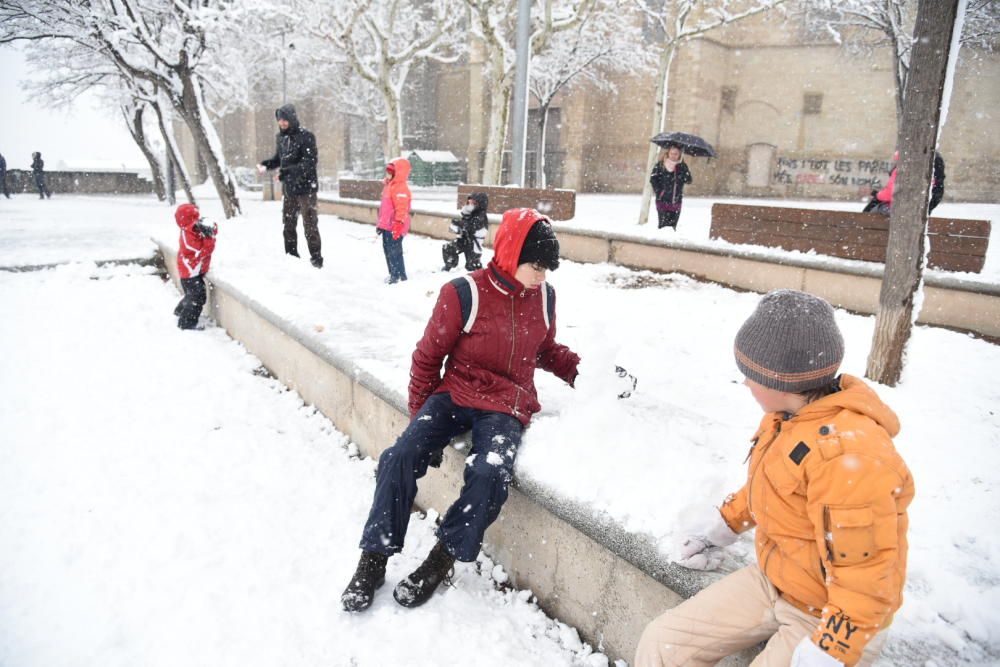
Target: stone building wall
<point>789,117</point>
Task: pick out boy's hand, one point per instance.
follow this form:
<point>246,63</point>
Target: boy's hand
<point>261,169</point>
<point>695,552</point>
<point>397,231</point>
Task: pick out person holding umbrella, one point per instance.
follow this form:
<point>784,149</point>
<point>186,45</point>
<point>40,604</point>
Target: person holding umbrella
<point>669,176</point>
<point>670,173</point>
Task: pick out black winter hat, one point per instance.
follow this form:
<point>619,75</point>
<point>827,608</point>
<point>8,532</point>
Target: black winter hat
<point>540,246</point>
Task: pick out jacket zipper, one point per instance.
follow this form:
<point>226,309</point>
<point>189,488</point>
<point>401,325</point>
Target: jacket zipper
<point>760,460</point>
<point>513,339</point>
<point>513,331</point>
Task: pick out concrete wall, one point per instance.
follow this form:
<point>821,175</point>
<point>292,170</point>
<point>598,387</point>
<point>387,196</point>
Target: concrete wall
<point>81,182</point>
<point>584,570</point>
<point>949,302</point>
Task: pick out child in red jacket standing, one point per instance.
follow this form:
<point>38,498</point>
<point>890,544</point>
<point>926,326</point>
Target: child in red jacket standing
<point>394,217</point>
<point>197,241</point>
<point>490,329</point>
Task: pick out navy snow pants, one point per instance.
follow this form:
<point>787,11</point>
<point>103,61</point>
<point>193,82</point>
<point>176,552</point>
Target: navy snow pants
<point>393,249</point>
<point>189,309</point>
<point>488,471</point>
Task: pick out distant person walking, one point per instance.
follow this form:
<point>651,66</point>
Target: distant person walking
<point>38,170</point>
<point>394,217</point>
<point>295,159</point>
<point>3,176</point>
<point>670,175</point>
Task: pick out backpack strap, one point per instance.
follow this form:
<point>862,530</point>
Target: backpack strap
<point>468,299</point>
<point>548,304</point>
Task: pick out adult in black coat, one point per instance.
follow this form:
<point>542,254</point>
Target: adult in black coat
<point>470,233</point>
<point>669,176</point>
<point>295,159</point>
<point>3,176</point>
<point>937,183</point>
<point>38,170</point>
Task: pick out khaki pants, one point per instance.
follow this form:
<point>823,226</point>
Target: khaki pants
<point>733,614</point>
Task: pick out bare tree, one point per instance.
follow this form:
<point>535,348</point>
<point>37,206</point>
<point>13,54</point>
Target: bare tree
<point>678,22</point>
<point>162,42</point>
<point>602,42</point>
<point>917,139</point>
<point>69,70</point>
<point>493,24</point>
<point>381,40</point>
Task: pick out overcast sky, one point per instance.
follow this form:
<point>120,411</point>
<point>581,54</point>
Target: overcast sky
<point>81,136</point>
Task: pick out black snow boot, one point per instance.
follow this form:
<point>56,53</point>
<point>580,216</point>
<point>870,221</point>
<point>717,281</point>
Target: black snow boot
<point>370,574</point>
<point>418,588</point>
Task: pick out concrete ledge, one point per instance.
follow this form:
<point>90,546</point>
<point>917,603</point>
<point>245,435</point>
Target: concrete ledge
<point>949,301</point>
<point>585,570</point>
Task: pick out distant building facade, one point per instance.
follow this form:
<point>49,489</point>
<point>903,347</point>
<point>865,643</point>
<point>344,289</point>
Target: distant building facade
<point>788,117</point>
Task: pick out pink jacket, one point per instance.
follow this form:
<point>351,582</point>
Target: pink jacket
<point>396,198</point>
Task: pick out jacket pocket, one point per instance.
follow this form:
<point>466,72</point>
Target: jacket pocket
<point>850,534</point>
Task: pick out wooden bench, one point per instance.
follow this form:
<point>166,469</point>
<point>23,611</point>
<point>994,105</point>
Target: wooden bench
<point>356,189</point>
<point>555,204</point>
<point>956,245</point>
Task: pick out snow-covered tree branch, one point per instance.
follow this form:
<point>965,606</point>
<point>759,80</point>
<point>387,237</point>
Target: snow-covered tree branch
<point>380,41</point>
<point>492,25</point>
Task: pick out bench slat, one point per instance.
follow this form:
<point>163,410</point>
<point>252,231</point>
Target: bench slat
<point>956,244</point>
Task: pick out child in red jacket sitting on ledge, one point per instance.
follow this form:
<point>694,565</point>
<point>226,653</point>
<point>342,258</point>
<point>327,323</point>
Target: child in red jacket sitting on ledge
<point>490,329</point>
<point>194,256</point>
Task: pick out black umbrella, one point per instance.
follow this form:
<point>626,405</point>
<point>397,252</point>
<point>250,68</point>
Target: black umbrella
<point>691,144</point>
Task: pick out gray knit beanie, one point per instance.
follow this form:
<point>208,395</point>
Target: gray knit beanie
<point>790,343</point>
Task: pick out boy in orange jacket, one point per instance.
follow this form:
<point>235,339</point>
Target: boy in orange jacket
<point>828,494</point>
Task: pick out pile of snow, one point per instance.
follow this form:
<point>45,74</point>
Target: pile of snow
<point>163,503</point>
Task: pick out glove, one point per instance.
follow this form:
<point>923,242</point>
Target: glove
<point>808,654</point>
<point>205,228</point>
<point>397,231</point>
<point>695,552</point>
<point>628,382</point>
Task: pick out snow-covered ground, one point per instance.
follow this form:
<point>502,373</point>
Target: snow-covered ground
<point>161,503</point>
<point>676,445</point>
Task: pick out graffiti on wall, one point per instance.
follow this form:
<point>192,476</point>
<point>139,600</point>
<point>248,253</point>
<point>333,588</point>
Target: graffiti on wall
<point>838,172</point>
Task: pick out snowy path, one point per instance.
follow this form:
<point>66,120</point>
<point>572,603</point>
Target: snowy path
<point>161,504</point>
<point>678,442</point>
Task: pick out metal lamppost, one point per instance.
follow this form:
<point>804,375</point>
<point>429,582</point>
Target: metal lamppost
<point>520,124</point>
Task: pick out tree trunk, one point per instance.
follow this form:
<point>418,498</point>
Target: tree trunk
<point>659,124</point>
<point>139,135</point>
<point>916,140</point>
<point>175,163</point>
<point>192,110</point>
<point>543,121</point>
<point>393,125</point>
<point>497,133</point>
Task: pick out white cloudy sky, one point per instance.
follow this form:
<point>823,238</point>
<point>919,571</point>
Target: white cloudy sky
<point>80,136</point>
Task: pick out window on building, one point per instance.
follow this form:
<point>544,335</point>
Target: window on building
<point>728,101</point>
<point>812,103</point>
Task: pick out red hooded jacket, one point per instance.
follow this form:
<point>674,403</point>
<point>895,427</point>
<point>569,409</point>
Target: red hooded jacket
<point>492,365</point>
<point>395,208</point>
<point>195,252</point>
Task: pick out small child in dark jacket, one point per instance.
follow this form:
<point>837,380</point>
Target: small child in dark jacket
<point>470,234</point>
<point>197,242</point>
